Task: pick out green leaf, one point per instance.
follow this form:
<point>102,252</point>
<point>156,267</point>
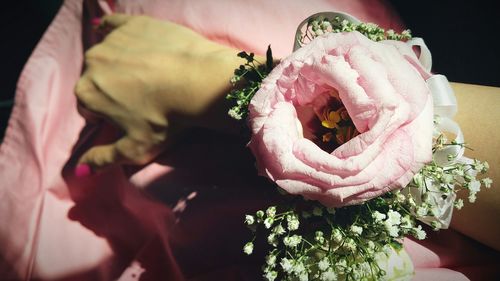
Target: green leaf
<point>243,54</point>
<point>396,245</point>
<point>269,59</point>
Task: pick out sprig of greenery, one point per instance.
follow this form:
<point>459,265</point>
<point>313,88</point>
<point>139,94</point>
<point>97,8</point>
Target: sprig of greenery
<point>321,25</point>
<point>311,242</point>
<point>246,81</point>
<point>248,77</point>
<point>439,181</point>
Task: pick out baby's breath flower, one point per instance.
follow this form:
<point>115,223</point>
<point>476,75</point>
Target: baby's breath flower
<point>271,260</point>
<point>233,113</point>
<point>472,197</point>
<point>271,211</point>
<point>271,275</point>
<point>406,34</point>
<point>392,229</point>
<point>459,204</point>
<point>400,198</point>
<point>349,245</point>
<point>325,25</point>
<point>319,237</point>
<point>487,182</point>
<point>337,235</point>
<point>387,250</point>
<point>356,229</point>
<point>292,222</point>
<point>249,220</point>
<point>299,268</point>
<point>306,214</point>
<point>378,216</point>
<point>235,79</point>
<point>341,263</point>
<point>406,221</point>
<point>324,264</point>
<point>411,202</point>
<point>260,214</point>
<point>370,245</point>
<point>475,186</point>
<point>287,265</point>
<point>292,241</point>
<point>393,217</point>
<point>478,166</point>
<point>356,274</point>
<point>365,268</point>
<point>318,32</point>
<point>341,266</point>
<point>278,230</point>
<point>390,32</point>
<point>486,167</point>
<point>268,222</point>
<point>331,210</point>
<point>271,239</point>
<point>248,248</point>
<point>317,211</point>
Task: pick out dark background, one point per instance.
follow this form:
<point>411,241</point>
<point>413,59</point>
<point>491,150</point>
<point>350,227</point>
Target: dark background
<point>463,37</point>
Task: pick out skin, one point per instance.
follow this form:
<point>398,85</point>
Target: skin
<point>182,80</point>
<point>478,116</point>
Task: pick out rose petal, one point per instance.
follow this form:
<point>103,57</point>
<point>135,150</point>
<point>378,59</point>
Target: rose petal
<point>382,87</point>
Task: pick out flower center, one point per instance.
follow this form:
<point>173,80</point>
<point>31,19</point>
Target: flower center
<point>326,122</point>
<point>338,124</point>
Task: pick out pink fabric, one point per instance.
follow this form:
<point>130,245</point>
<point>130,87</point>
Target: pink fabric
<point>171,219</point>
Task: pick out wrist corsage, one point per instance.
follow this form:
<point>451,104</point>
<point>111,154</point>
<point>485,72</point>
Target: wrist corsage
<point>358,136</point>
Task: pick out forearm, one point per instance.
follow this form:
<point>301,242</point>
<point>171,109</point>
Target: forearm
<point>478,116</point>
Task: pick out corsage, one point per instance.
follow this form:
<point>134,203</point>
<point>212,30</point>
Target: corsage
<point>358,135</point>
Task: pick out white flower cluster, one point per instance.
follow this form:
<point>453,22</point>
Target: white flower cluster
<point>397,225</point>
<point>432,194</point>
<point>347,243</point>
<point>349,250</point>
<point>322,25</point>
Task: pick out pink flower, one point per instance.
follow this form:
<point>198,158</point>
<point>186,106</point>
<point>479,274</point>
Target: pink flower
<point>383,88</point>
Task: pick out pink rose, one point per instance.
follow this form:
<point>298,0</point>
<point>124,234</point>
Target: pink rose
<point>382,86</point>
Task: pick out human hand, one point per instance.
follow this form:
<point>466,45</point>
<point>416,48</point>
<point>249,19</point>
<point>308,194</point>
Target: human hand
<point>152,79</point>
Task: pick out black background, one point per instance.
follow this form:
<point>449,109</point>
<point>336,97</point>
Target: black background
<point>463,37</point>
